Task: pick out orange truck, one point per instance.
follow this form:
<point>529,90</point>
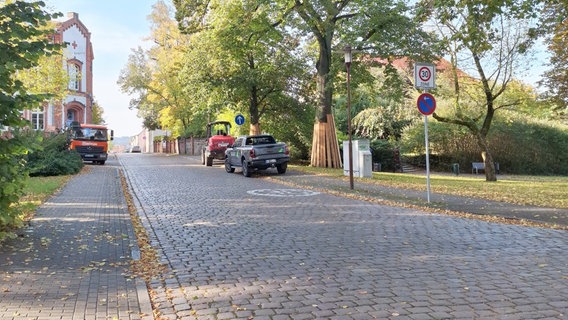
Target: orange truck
<point>90,141</point>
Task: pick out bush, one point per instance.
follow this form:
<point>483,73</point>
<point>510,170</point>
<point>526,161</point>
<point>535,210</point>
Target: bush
<point>520,145</point>
<point>53,158</point>
<point>383,153</point>
<point>13,173</point>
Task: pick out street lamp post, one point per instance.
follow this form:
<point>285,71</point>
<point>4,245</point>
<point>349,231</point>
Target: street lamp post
<point>348,66</point>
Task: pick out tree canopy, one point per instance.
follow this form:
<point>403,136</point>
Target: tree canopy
<point>555,27</point>
<point>489,39</point>
<point>24,42</point>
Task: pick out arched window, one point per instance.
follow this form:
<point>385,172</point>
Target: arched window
<point>74,76</point>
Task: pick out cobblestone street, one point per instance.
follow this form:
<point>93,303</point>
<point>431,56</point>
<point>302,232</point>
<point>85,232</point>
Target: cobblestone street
<point>249,248</point>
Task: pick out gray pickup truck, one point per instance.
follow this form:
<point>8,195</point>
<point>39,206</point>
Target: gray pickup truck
<point>256,152</point>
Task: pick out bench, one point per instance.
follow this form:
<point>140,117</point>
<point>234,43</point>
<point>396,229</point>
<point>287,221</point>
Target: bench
<point>476,166</point>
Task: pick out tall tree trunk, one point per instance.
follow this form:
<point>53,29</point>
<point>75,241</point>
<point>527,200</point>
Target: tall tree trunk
<point>490,174</point>
<point>254,127</point>
<point>325,147</point>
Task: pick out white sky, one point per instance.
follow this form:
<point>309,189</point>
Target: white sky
<point>116,27</point>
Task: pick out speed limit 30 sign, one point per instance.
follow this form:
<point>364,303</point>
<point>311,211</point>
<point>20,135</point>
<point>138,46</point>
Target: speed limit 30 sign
<point>424,76</point>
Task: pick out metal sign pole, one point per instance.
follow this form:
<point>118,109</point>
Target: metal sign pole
<point>427,158</point>
<point>425,78</point>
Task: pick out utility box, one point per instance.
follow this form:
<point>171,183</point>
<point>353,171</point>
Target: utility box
<point>362,158</point>
<point>366,164</point>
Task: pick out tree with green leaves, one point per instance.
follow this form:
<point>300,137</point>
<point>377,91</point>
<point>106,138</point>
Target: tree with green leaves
<point>389,103</point>
<point>379,27</point>
<point>135,79</point>
<point>98,112</point>
<point>555,28</point>
<point>490,39</point>
<point>382,28</point>
<point>251,63</point>
<point>153,75</point>
<point>24,40</point>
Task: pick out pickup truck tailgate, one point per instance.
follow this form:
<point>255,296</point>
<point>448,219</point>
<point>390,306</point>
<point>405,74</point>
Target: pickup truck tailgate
<point>269,150</point>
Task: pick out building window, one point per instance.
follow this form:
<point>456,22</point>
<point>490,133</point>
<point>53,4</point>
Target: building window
<point>37,119</point>
<point>74,77</point>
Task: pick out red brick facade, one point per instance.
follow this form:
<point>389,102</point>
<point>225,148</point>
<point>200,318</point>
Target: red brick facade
<point>78,61</point>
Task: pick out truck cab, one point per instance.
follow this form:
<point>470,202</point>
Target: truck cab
<point>90,141</point>
<point>218,138</point>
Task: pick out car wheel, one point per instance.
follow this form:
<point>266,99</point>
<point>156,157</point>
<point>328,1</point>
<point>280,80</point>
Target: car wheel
<point>246,169</point>
<point>102,163</point>
<point>209,162</point>
<point>281,168</point>
<point>228,167</point>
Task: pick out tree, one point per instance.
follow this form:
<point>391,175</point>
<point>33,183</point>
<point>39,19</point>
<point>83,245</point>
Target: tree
<point>134,79</point>
<point>153,76</point>
<point>249,63</point>
<point>98,112</point>
<point>555,24</point>
<point>388,99</point>
<point>377,24</point>
<point>377,27</point>
<point>489,38</point>
<point>24,40</point>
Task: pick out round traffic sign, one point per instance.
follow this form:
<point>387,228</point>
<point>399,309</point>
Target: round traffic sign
<point>426,104</point>
<point>240,119</point>
<point>424,74</point>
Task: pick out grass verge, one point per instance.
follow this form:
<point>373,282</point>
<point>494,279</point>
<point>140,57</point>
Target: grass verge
<point>544,191</point>
<point>36,191</point>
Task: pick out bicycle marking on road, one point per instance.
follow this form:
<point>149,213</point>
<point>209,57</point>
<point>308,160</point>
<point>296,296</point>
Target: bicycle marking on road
<point>283,192</point>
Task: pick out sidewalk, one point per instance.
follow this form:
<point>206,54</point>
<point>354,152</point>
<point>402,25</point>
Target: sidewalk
<point>480,208</point>
<point>72,261</point>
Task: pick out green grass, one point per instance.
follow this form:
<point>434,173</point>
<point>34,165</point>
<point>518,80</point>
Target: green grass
<point>37,190</point>
<point>525,190</point>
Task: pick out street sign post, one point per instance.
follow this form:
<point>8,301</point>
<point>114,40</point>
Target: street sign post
<point>426,104</point>
<point>424,76</point>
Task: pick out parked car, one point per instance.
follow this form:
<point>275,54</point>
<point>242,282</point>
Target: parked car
<point>135,149</point>
<point>256,152</point>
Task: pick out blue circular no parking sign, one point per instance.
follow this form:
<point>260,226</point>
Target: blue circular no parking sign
<point>240,119</point>
<point>426,104</point>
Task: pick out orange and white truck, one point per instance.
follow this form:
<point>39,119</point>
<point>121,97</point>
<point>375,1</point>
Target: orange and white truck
<point>90,141</point>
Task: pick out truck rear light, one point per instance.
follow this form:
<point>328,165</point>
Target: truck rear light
<point>286,150</point>
<point>251,153</point>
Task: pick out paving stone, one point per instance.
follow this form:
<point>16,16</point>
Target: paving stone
<point>235,254</point>
<point>72,261</point>
<point>324,253</point>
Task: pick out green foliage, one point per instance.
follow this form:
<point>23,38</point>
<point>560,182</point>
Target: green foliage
<point>525,146</point>
<point>555,28</point>
<point>53,158</point>
<point>520,144</point>
<point>23,42</point>
<point>382,151</point>
<point>98,112</point>
<point>13,175</point>
<point>295,128</point>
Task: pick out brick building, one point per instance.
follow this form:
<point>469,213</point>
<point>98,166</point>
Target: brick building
<point>78,61</point>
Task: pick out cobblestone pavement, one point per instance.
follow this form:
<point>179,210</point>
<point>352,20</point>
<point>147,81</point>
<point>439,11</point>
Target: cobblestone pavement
<point>249,248</point>
<point>72,261</point>
<point>480,208</point>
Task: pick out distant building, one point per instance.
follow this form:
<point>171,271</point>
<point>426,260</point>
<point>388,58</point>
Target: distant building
<point>78,61</point>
